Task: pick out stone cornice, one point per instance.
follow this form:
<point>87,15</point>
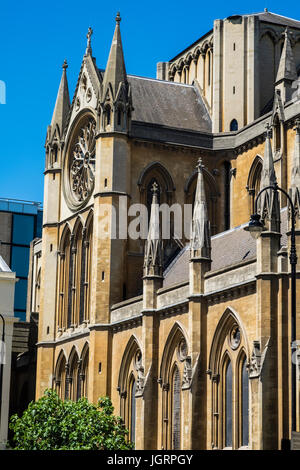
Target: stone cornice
<point>231,292</point>
<point>189,141</point>
<point>231,267</point>
<point>111,193</point>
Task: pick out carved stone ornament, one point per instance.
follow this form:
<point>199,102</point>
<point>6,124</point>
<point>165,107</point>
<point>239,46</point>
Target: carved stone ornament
<point>254,366</point>
<point>187,373</point>
<point>140,381</point>
<point>234,337</point>
<point>82,162</point>
<point>182,350</point>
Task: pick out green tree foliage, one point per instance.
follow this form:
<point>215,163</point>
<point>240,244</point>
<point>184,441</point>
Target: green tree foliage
<point>53,424</point>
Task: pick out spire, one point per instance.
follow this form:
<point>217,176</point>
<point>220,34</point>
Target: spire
<point>200,238</point>
<point>286,73</point>
<point>115,72</point>
<point>153,260</point>
<point>88,46</point>
<point>62,104</point>
<point>268,202</point>
<point>295,176</point>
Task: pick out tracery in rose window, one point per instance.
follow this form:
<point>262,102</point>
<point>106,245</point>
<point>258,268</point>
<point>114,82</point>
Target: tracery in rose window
<point>82,165</point>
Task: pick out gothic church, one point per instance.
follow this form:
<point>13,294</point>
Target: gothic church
<point>189,337</point>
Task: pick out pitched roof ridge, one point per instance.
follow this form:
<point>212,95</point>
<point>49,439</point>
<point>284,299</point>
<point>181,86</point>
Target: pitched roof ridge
<point>159,80</point>
<point>275,14</point>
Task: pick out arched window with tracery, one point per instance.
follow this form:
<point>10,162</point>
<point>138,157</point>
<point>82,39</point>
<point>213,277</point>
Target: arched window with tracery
<point>64,272</point>
<point>156,172</point>
<point>73,377</point>
<point>253,183</point>
<point>60,376</point>
<point>75,276</point>
<point>84,372</point>
<point>229,385</point>
<point>131,384</point>
<point>86,271</point>
<point>75,265</point>
<point>175,378</point>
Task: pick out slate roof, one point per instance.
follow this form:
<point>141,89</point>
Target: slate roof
<point>168,104</point>
<point>277,19</point>
<point>227,249</point>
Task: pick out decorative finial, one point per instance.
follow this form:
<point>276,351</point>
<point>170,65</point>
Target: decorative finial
<point>200,165</point>
<point>89,34</point>
<point>268,131</point>
<point>118,18</point>
<point>297,126</point>
<point>154,188</point>
<point>65,64</point>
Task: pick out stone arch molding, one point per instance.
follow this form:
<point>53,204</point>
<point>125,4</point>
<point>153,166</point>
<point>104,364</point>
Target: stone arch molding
<point>177,339</point>
<point>160,168</point>
<point>229,318</point>
<point>132,352</point>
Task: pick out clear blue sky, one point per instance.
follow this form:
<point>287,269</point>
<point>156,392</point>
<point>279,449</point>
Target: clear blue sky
<point>36,36</point>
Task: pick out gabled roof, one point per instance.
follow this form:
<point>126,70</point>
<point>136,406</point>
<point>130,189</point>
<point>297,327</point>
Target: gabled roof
<point>227,249</point>
<point>276,19</point>
<point>168,104</point>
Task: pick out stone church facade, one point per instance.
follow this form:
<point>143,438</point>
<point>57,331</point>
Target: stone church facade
<point>189,335</point>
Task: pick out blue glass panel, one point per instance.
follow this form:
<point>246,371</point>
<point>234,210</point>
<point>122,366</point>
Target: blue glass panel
<point>21,315</point>
<point>3,205</point>
<point>20,260</point>
<point>39,223</point>
<point>23,229</point>
<point>21,294</point>
<point>245,405</point>
<point>228,441</point>
<point>29,209</point>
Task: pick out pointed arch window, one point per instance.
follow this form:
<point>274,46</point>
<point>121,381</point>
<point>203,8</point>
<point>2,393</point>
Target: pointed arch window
<point>73,378</point>
<point>75,276</point>
<point>107,116</point>
<point>64,271</point>
<point>244,406</point>
<point>175,379</point>
<point>228,404</point>
<point>84,373</point>
<point>234,125</point>
<point>176,408</point>
<point>132,411</point>
<point>253,183</point>
<point>228,368</point>
<point>276,135</point>
<point>131,385</point>
<point>60,376</point>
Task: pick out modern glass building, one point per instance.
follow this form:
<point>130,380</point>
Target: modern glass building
<point>20,223</point>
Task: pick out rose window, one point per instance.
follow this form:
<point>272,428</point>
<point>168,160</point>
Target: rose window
<point>82,162</point>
